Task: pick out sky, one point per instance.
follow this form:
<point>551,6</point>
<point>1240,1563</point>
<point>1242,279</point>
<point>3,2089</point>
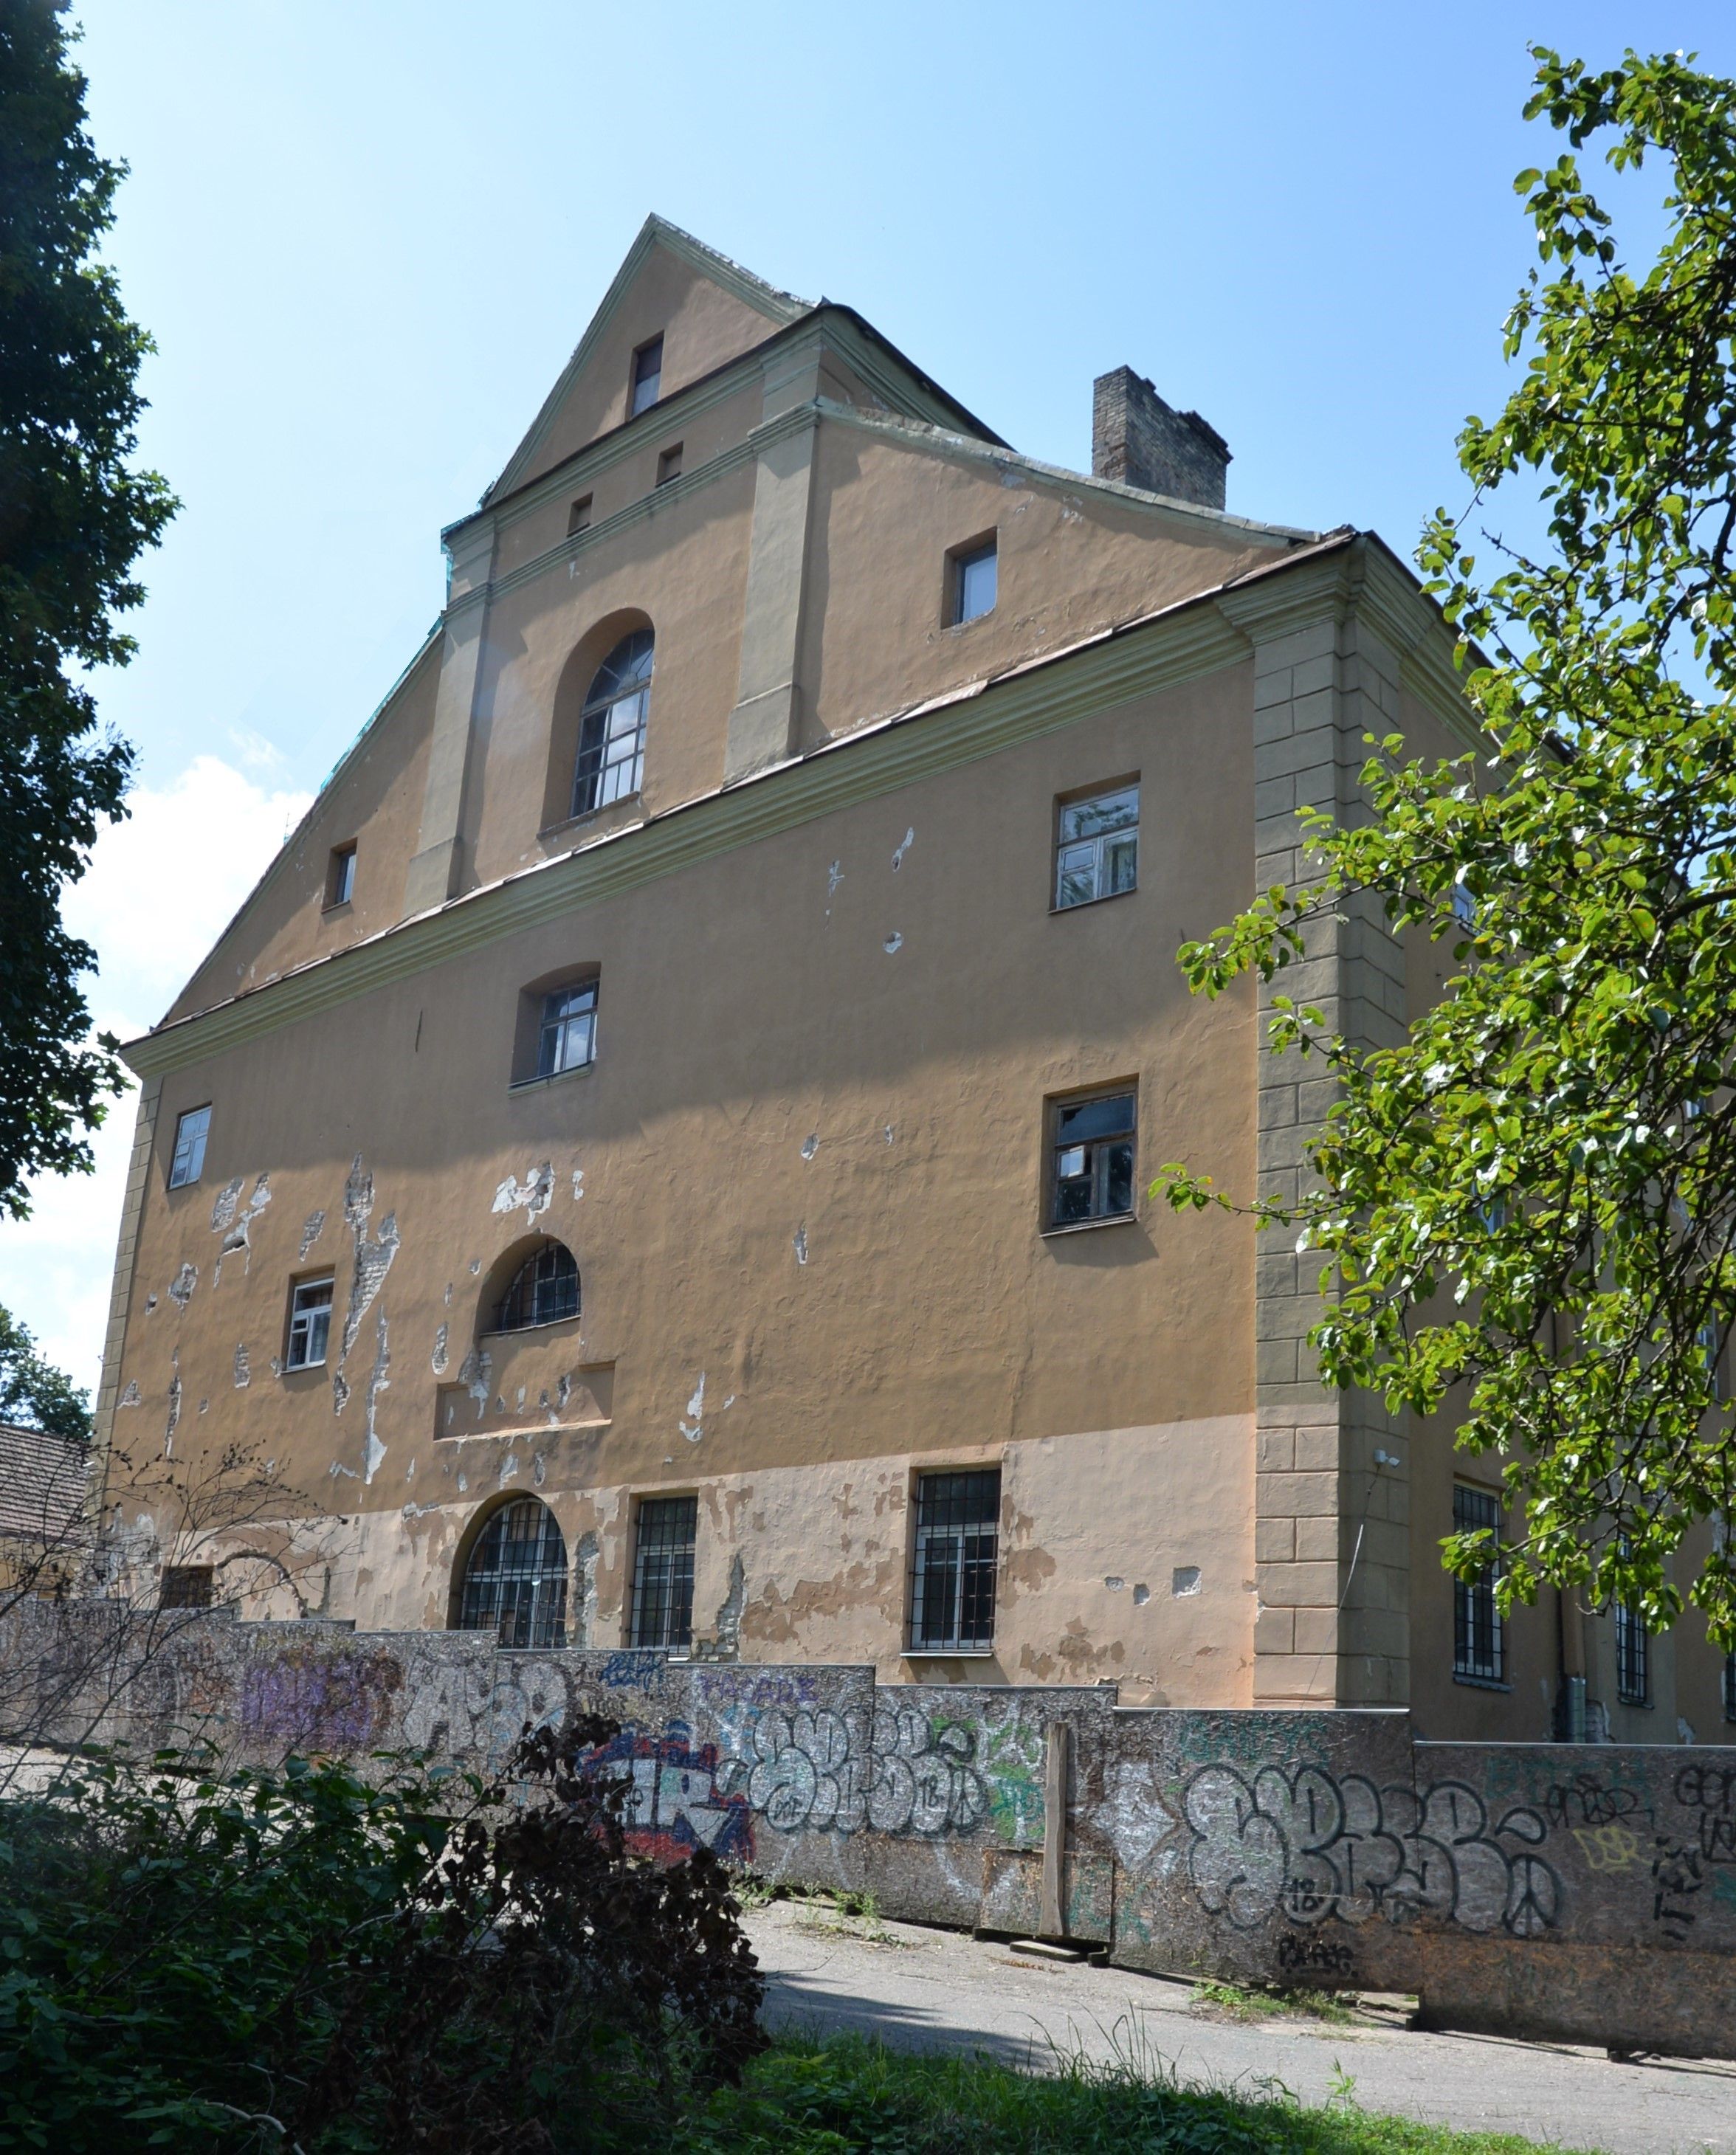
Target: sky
<point>366,235</point>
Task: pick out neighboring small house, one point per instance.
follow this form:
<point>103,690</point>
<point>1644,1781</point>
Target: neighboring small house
<point>43,1526</point>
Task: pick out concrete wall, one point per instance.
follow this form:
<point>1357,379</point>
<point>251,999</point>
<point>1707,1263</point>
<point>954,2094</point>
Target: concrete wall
<point>1582,1893</point>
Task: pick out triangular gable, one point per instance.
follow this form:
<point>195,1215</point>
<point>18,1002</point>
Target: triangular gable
<point>743,310</point>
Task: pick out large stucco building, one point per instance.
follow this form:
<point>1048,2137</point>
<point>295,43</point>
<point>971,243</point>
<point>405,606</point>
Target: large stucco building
<point>661,1157</point>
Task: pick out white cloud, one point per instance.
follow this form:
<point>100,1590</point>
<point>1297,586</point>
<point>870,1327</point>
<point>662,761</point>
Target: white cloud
<point>161,887</point>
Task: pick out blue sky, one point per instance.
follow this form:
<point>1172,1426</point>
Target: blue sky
<point>366,236</point>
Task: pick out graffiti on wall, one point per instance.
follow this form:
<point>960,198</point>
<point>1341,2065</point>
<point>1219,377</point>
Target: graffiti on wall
<point>1313,1845</point>
<point>676,1802</point>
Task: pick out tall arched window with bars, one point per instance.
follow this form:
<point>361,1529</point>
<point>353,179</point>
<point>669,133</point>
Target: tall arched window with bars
<point>516,1578</point>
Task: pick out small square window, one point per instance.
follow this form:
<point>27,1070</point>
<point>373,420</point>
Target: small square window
<point>578,517</point>
<point>669,464</point>
<point>567,1038</point>
<point>974,576</point>
<point>1092,1152</point>
<point>1097,847</point>
<point>647,377</point>
<point>1479,1641</point>
<point>187,1586</point>
<point>340,877</point>
<point>309,1323</point>
<point>665,1532</point>
<point>952,1586</point>
<point>188,1162</point>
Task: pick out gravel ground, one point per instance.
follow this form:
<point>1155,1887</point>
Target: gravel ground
<point>930,1989</point>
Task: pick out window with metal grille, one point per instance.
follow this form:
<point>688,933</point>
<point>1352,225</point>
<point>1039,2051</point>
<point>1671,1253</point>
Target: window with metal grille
<point>1633,1657</point>
<point>309,1323</point>
<point>612,726</point>
<point>647,377</point>
<point>1479,1642</point>
<point>567,1035</point>
<point>188,1162</point>
<point>663,1571</point>
<point>1093,1160</point>
<point>516,1582</point>
<point>1097,847</point>
<point>545,1290</point>
<point>187,1586</point>
<point>958,1535</point>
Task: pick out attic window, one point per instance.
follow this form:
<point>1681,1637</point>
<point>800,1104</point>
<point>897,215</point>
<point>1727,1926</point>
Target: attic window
<point>669,464</point>
<point>578,517</point>
<point>647,377</point>
<point>341,876</point>
<point>974,578</point>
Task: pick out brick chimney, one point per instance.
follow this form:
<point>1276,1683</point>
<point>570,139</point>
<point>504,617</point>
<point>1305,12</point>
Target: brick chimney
<point>1137,439</point>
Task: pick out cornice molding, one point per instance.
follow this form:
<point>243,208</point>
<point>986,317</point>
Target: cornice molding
<point>981,720</point>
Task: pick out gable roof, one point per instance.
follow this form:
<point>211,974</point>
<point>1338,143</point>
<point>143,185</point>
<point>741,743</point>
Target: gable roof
<point>779,307</point>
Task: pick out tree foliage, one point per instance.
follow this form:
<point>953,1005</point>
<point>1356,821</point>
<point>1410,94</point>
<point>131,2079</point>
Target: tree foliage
<point>74,520</point>
<point>33,1393</point>
<point>1526,1210</point>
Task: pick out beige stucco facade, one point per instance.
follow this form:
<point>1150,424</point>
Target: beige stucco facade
<point>805,1178</point>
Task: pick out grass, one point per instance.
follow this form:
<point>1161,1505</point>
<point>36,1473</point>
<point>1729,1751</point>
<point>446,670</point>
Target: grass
<point>847,2097</point>
<point>1233,2001</point>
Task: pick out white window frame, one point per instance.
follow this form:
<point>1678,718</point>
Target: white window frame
<point>568,1014</point>
<point>192,1130</point>
<point>1093,854</point>
<point>309,1339</point>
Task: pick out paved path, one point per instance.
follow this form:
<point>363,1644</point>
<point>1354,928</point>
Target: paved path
<point>928,1989</point>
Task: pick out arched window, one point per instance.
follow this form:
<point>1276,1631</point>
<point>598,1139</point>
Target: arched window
<point>515,1581</point>
<point>544,1288</point>
<point>612,726</point>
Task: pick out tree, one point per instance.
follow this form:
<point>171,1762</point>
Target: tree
<point>33,1392</point>
<point>74,520</point>
<point>1526,1210</point>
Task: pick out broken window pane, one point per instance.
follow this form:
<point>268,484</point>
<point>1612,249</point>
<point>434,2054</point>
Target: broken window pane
<point>1097,847</point>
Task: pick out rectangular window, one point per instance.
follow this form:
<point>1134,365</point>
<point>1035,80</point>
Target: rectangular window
<point>567,1039</point>
<point>958,1535</point>
<point>1093,1155</point>
<point>578,517</point>
<point>1730,1686</point>
<point>669,464</point>
<point>1633,1657</point>
<point>340,877</point>
<point>663,1571</point>
<point>190,1133</point>
<point>187,1586</point>
<point>309,1323</point>
<point>647,377</point>
<point>1097,847</point>
<point>1479,1642</point>
<point>974,578</point>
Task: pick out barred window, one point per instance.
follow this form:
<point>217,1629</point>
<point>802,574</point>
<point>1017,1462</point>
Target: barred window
<point>958,1533</point>
<point>612,725</point>
<point>663,1609</point>
<point>1633,1657</point>
<point>1479,1642</point>
<point>187,1586</point>
<point>544,1289</point>
<point>516,1582</point>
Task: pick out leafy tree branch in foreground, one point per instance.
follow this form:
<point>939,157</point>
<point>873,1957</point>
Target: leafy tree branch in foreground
<point>1526,1210</point>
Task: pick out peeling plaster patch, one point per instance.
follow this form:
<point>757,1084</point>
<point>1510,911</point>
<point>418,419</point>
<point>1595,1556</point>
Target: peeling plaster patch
<point>373,1258</point>
<point>539,1473</point>
<point>509,1468</point>
<point>834,877</point>
<point>475,1267</point>
<point>1115,1585</point>
<point>204,1406</point>
<point>335,1470</point>
<point>277,1367</point>
<point>1185,1579</point>
<point>898,858</point>
<point>448,1294</point>
<point>802,1245</point>
<point>463,1483</point>
<point>563,1391</point>
<point>236,1237</point>
<point>728,1609</point>
<point>243,1375</point>
<point>311,1230</point>
<point>440,1349</point>
<point>222,1205</point>
<point>181,1287</point>
<point>889,1133</point>
<point>1142,1594</point>
<point>411,1512</point>
<point>519,1403</point>
<point>584,1614</point>
<point>533,1193</point>
<point>1684,1729</point>
<point>150,1301</point>
<point>473,1374</point>
<point>374,1452</point>
<point>340,1393</point>
<point>810,1146</point>
<point>174,1414</point>
<point>730,1401</point>
<point>893,944</point>
<point>578,1183</point>
<point>130,1397</point>
<point>694,1428</point>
